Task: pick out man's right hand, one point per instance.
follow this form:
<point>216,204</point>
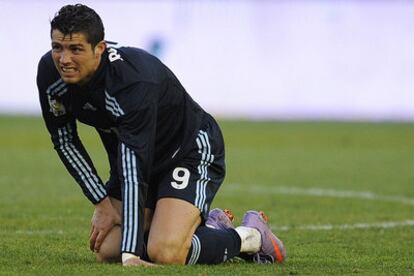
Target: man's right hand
<point>104,218</point>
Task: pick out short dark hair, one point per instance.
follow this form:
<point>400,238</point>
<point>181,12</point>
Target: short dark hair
<point>79,19</point>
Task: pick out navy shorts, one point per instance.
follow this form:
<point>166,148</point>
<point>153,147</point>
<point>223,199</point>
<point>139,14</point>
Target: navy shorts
<point>196,177</point>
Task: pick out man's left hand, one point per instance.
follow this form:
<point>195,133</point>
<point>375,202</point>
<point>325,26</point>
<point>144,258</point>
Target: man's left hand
<point>104,218</point>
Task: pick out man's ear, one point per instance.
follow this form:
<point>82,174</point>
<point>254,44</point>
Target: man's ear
<point>100,48</point>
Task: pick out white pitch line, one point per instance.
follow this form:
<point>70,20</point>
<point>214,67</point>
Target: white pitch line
<point>319,192</point>
<point>32,232</point>
<point>277,228</point>
<point>330,227</point>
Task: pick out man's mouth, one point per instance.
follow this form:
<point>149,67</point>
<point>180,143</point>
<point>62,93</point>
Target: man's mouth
<point>68,69</point>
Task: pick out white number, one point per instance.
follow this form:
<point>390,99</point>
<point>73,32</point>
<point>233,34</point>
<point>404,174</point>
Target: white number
<point>113,55</point>
<point>182,176</point>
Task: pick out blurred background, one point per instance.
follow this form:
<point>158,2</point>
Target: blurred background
<point>316,60</point>
<point>315,99</point>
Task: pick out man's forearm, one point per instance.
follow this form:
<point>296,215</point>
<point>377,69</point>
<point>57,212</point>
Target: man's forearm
<point>78,163</point>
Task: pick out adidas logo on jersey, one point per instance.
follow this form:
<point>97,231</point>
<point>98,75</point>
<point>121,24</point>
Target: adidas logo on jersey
<point>88,106</point>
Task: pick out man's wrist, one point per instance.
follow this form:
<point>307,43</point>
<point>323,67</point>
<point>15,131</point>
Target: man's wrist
<point>104,202</point>
<point>103,197</point>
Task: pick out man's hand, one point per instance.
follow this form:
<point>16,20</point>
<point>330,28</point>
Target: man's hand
<point>104,218</point>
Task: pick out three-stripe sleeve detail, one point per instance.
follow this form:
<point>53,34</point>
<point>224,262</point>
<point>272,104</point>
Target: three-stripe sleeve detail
<point>79,164</point>
<point>130,205</point>
<point>195,253</point>
<point>112,105</point>
<point>57,88</point>
<point>207,158</point>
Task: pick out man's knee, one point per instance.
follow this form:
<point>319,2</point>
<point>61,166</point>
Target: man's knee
<point>167,252</point>
<point>172,228</point>
<point>110,251</point>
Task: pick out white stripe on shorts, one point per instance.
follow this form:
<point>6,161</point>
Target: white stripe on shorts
<point>206,159</point>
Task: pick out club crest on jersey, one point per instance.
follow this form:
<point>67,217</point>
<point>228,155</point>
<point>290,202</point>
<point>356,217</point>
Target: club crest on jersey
<point>56,107</point>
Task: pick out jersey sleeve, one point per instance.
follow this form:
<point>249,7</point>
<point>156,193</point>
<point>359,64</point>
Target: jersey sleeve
<point>62,128</point>
<point>137,107</point>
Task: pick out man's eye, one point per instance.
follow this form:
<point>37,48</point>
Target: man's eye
<point>56,47</point>
<point>77,50</point>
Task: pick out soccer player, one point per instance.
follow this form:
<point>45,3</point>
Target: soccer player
<point>166,154</point>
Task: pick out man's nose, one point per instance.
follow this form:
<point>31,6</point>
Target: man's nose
<point>65,57</point>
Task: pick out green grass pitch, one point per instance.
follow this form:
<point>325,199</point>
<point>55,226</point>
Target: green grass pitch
<point>340,195</point>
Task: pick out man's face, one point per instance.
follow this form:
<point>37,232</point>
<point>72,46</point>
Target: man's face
<point>74,58</point>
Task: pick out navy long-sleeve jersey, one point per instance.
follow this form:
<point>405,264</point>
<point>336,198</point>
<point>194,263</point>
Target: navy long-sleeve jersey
<point>143,115</point>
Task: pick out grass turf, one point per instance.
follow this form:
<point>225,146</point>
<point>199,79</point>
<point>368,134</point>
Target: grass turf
<point>334,192</point>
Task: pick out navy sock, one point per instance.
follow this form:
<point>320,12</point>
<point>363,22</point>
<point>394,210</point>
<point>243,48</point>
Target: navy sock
<point>213,246</point>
